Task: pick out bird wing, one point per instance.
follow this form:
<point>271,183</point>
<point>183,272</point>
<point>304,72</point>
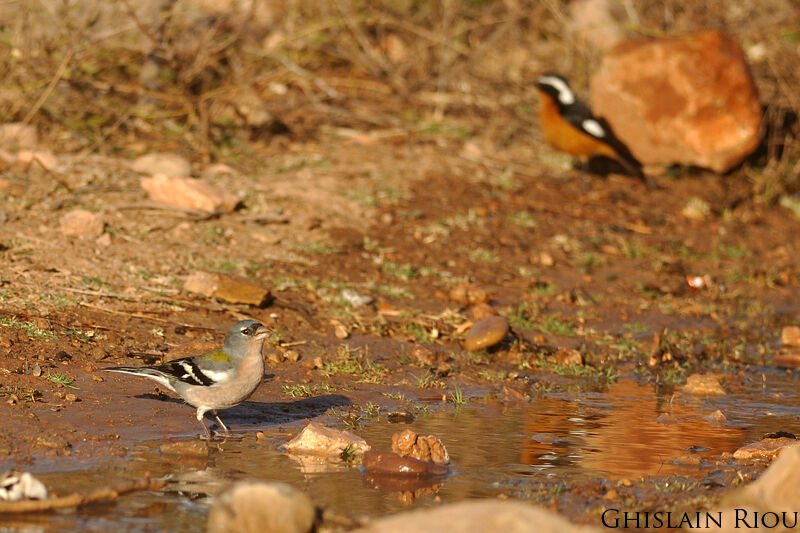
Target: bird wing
<point>580,116</point>
<point>206,370</point>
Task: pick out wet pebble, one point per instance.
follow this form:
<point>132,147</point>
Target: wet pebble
<point>717,417</point>
<point>790,336</point>
<point>703,385</point>
<point>486,333</point>
<point>688,460</point>
<point>255,506</point>
<point>392,464</point>
<point>188,448</point>
<point>545,438</point>
<point>763,449</point>
<point>320,440</point>
<point>422,447</point>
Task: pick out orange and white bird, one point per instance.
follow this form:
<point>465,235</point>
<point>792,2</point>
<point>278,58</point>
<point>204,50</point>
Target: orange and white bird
<point>569,126</point>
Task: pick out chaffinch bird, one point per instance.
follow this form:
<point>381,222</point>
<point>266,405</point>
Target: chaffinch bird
<point>219,379</point>
<point>569,125</point>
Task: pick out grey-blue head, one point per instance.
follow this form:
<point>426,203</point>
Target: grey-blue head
<point>241,335</point>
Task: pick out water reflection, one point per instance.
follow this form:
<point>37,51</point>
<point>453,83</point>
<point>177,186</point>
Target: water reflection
<point>628,430</point>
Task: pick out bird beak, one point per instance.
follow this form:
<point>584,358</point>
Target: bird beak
<point>262,333</point>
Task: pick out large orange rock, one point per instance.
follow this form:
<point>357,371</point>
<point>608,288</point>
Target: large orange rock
<point>687,100</point>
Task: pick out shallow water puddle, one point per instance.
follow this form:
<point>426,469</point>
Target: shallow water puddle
<point>627,431</point>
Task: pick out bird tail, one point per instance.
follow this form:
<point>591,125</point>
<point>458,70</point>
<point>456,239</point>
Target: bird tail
<point>625,157</point>
<point>151,373</point>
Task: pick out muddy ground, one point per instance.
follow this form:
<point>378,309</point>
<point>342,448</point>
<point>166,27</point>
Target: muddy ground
<point>401,201</point>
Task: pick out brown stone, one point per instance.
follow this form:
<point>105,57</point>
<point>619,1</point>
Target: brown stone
<point>162,163</point>
<point>478,515</point>
<point>26,159</point>
<point>790,336</point>
<point>486,333</point>
<point>81,223</point>
<point>465,293</point>
<point>688,100</point>
<point>703,385</point>
<point>392,464</point>
<point>189,193</point>
<point>422,447</point>
<point>229,288</point>
<point>763,449</point>
<point>17,135</point>
<point>259,507</point>
<point>320,440</point>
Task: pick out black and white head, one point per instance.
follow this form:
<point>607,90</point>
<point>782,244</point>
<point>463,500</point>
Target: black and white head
<point>556,86</point>
<point>242,334</point>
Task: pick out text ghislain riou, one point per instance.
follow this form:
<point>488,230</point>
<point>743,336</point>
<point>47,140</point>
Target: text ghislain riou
<point>744,518</point>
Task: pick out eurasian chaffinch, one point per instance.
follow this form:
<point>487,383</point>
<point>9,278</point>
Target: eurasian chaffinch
<point>219,379</point>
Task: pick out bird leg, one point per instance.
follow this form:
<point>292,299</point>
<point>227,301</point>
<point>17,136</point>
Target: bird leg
<point>208,435</point>
<point>223,426</point>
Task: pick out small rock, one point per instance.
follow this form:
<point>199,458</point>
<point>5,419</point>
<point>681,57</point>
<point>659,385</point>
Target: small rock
<point>26,159</point>
<point>545,438</point>
<point>227,287</point>
<point>513,396</point>
<point>16,135</point>
<point>790,336</point>
<point>777,489</point>
<point>340,332</point>
<point>467,294</point>
<point>259,507</point>
<point>355,299</point>
<point>97,353</point>
<point>703,385</point>
<point>687,100</point>
<point>789,360</point>
<point>688,460</point>
<point>81,223</point>
<point>486,333</point>
<point>481,311</point>
<point>717,417</point>
<point>428,356</point>
<point>320,440</point>
<point>275,357</point>
<point>696,209</point>
<point>392,464</point>
<point>189,193</point>
<point>611,495</point>
<point>425,448</point>
<point>186,448</point>
<point>763,449</point>
<point>566,356</point>
<point>593,26</point>
<point>292,355</point>
<point>70,397</point>
<point>397,417</point>
<point>165,163</point>
<point>16,486</point>
<point>37,371</point>
<point>478,515</point>
<point>545,259</point>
